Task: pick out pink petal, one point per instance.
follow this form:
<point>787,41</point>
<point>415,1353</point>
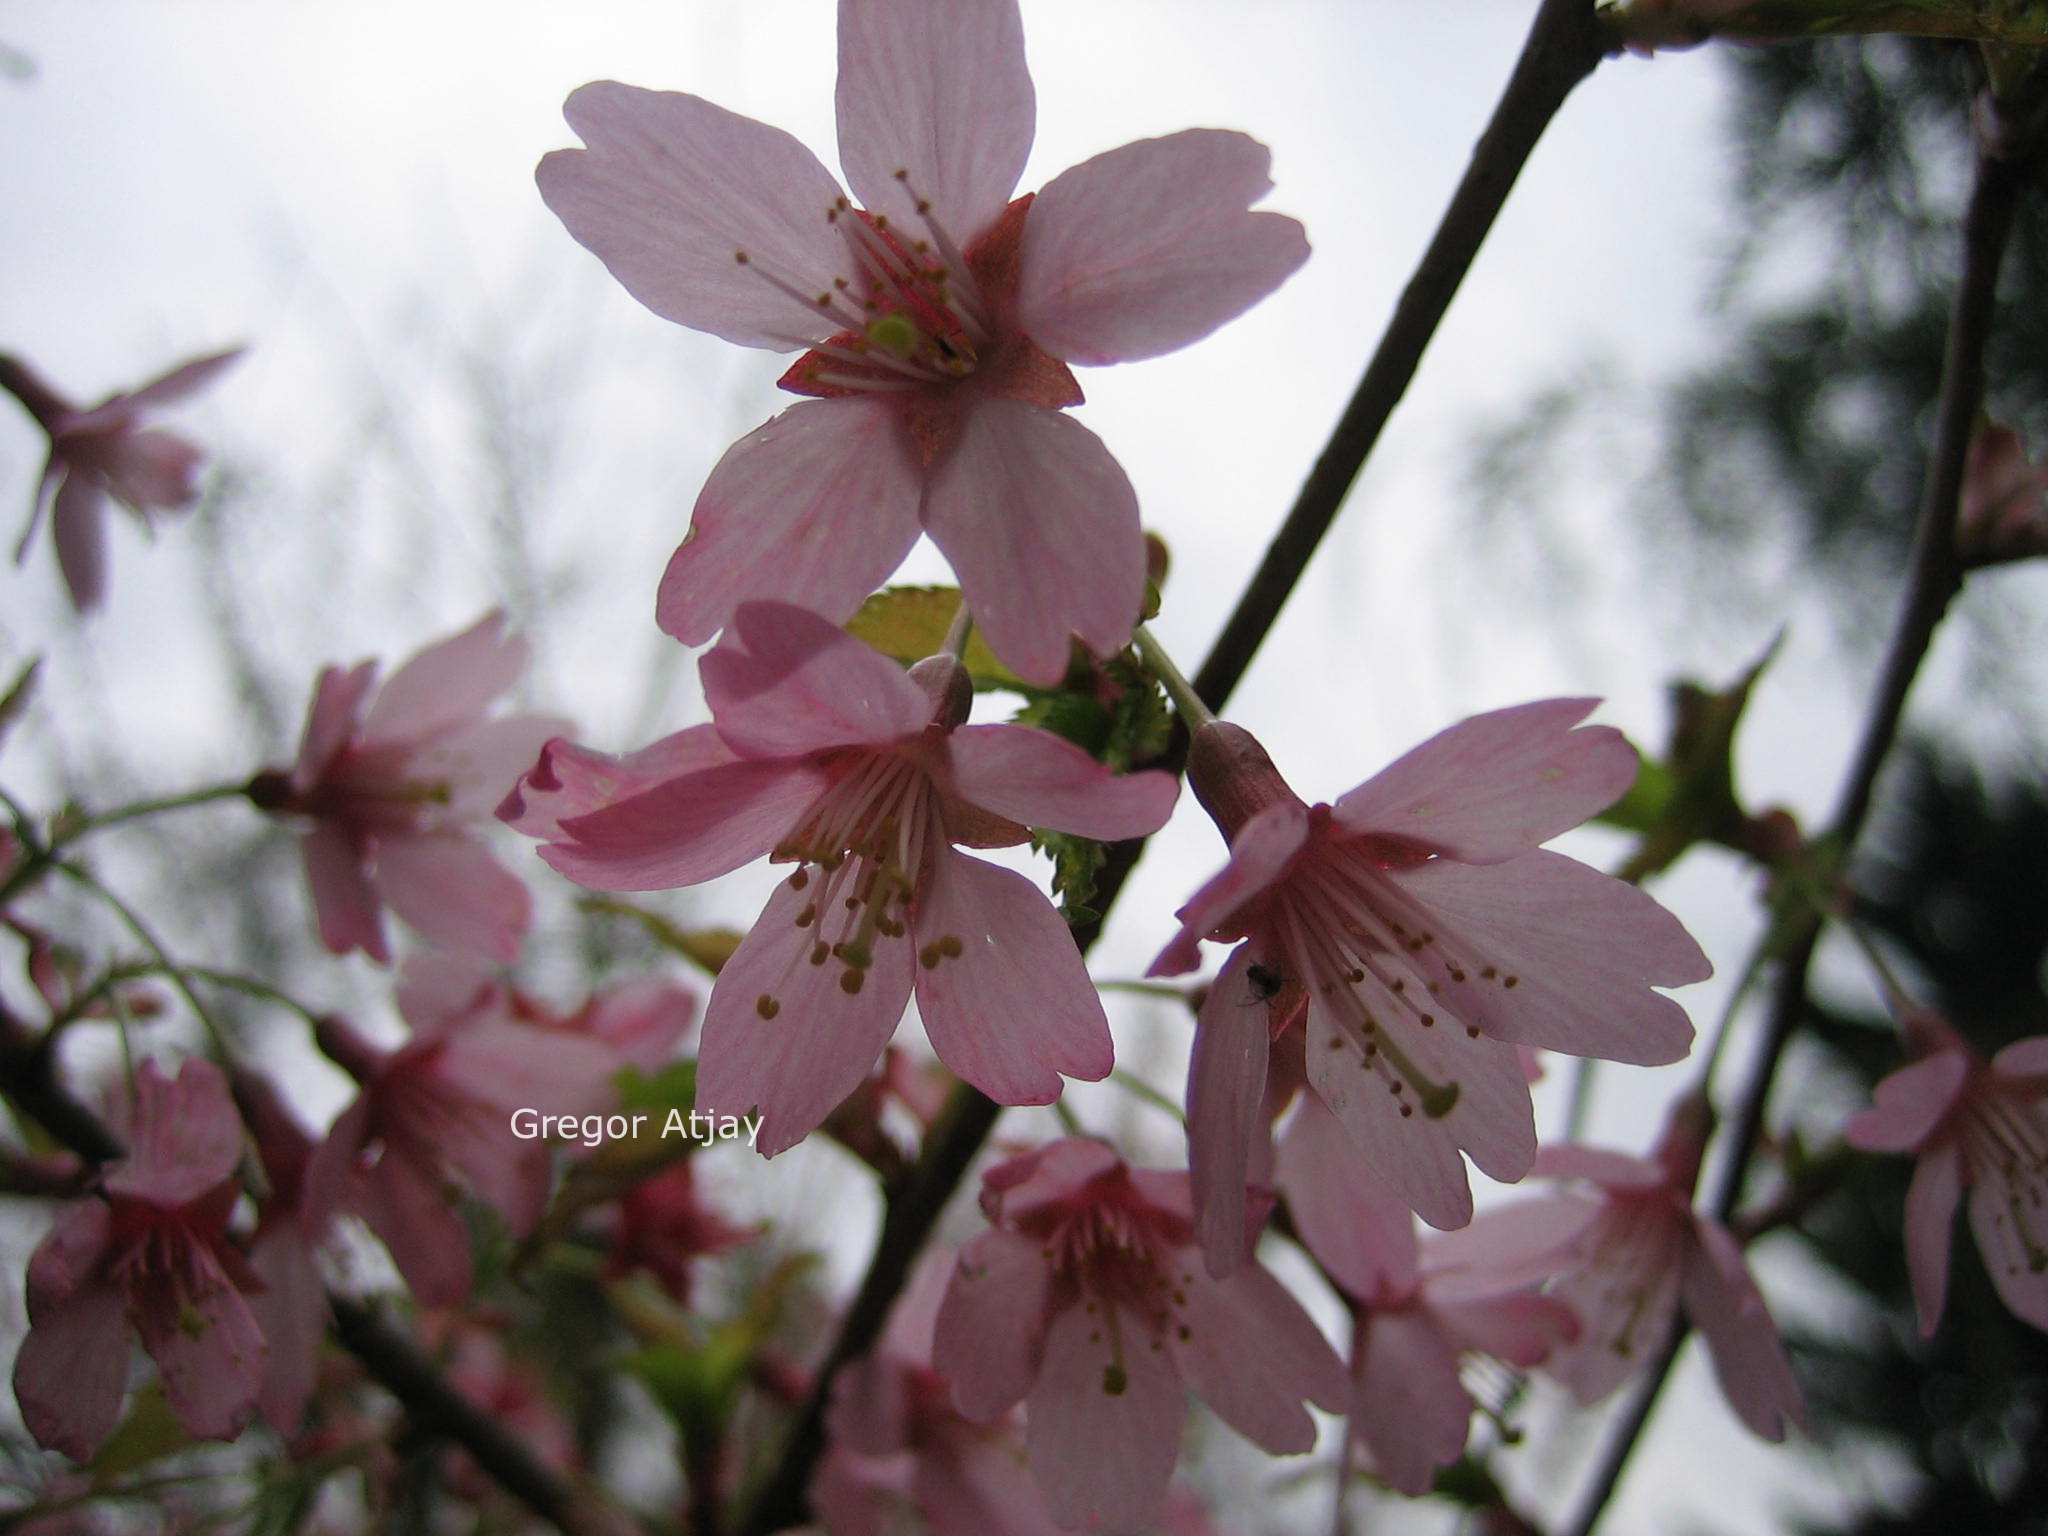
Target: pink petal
<point>145,470</point>
<point>814,508</point>
<point>185,1138</point>
<point>1497,785</point>
<point>70,1257</point>
<point>449,887</point>
<point>181,383</point>
<point>1520,1328</point>
<point>337,703</point>
<point>1584,948</point>
<point>688,830</point>
<point>1103,1423</point>
<point>1523,1244</point>
<point>1259,857</point>
<point>291,1313</point>
<point>940,92</point>
<point>568,780</point>
<point>1910,1103</point>
<point>784,682</point>
<point>1004,994</point>
<point>1041,526</point>
<point>977,1480</point>
<point>410,1210</point>
<point>477,767</point>
<point>1149,247</point>
<point>209,1352</point>
<point>1252,1354</point>
<point>2023,1059</point>
<point>1749,1359</point>
<point>990,1335</point>
<point>783,1036</point>
<point>673,187</point>
<point>512,1066</point>
<point>344,901</point>
<point>1929,1226</point>
<point>2007,1214</point>
<point>72,1369</point>
<point>1616,1170</point>
<point>1416,1157</point>
<point>1625,1291</point>
<point>78,523</point>
<point>1040,780</point>
<point>448,685</point>
<point>1361,1234</point>
<point>1410,1411</point>
<point>1226,1109</point>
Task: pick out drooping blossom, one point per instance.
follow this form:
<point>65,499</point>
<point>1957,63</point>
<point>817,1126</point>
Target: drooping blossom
<point>1412,1321</point>
<point>395,779</point>
<point>824,754</point>
<point>900,1446</point>
<point>149,1257</point>
<point>1418,934</point>
<point>1088,1302</point>
<point>1977,1125</point>
<point>1622,1245</point>
<point>435,1114</point>
<point>939,319</point>
<point>292,1308</point>
<point>103,451</point>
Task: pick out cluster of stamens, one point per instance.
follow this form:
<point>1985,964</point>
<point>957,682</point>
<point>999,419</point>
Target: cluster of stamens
<point>1378,962</point>
<point>861,854</point>
<point>1112,1254</point>
<point>2006,1145</point>
<point>909,312</point>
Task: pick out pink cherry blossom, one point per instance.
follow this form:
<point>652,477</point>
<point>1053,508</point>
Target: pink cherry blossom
<point>940,318</point>
<point>1418,934</point>
<point>435,1113</point>
<point>1971,1124</point>
<point>104,451</point>
<point>824,754</point>
<point>393,780</point>
<point>899,1444</point>
<point>1624,1248</point>
<point>1413,1322</point>
<point>1088,1302</point>
<point>664,1226</point>
<point>2002,513</point>
<point>150,1258</point>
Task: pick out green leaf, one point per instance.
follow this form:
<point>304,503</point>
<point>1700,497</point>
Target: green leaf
<point>908,624</point>
<point>149,1433</point>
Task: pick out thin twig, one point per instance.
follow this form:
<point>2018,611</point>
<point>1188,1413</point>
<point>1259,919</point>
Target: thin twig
<point>1934,577</point>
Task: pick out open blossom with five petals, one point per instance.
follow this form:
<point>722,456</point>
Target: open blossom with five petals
<point>823,754</point>
<point>1419,934</point>
<point>1087,1301</point>
<point>1970,1123</point>
<point>1623,1246</point>
<point>151,1258</point>
<point>939,319</point>
<point>104,451</point>
<point>1413,1320</point>
<point>393,779</point>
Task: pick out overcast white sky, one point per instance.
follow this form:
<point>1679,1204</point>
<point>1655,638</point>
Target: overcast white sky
<point>347,187</point>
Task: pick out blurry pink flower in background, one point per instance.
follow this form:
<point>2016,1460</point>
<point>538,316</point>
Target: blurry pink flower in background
<point>1624,1254</point>
<point>1975,1124</point>
<point>436,1113</point>
<point>2002,513</point>
<point>899,1443</point>
<point>395,779</point>
<point>1419,934</point>
<point>823,753</point>
<point>1412,1322</point>
<point>105,451</point>
<point>151,1258</point>
<point>940,316</point>
<point>1088,1302</point>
